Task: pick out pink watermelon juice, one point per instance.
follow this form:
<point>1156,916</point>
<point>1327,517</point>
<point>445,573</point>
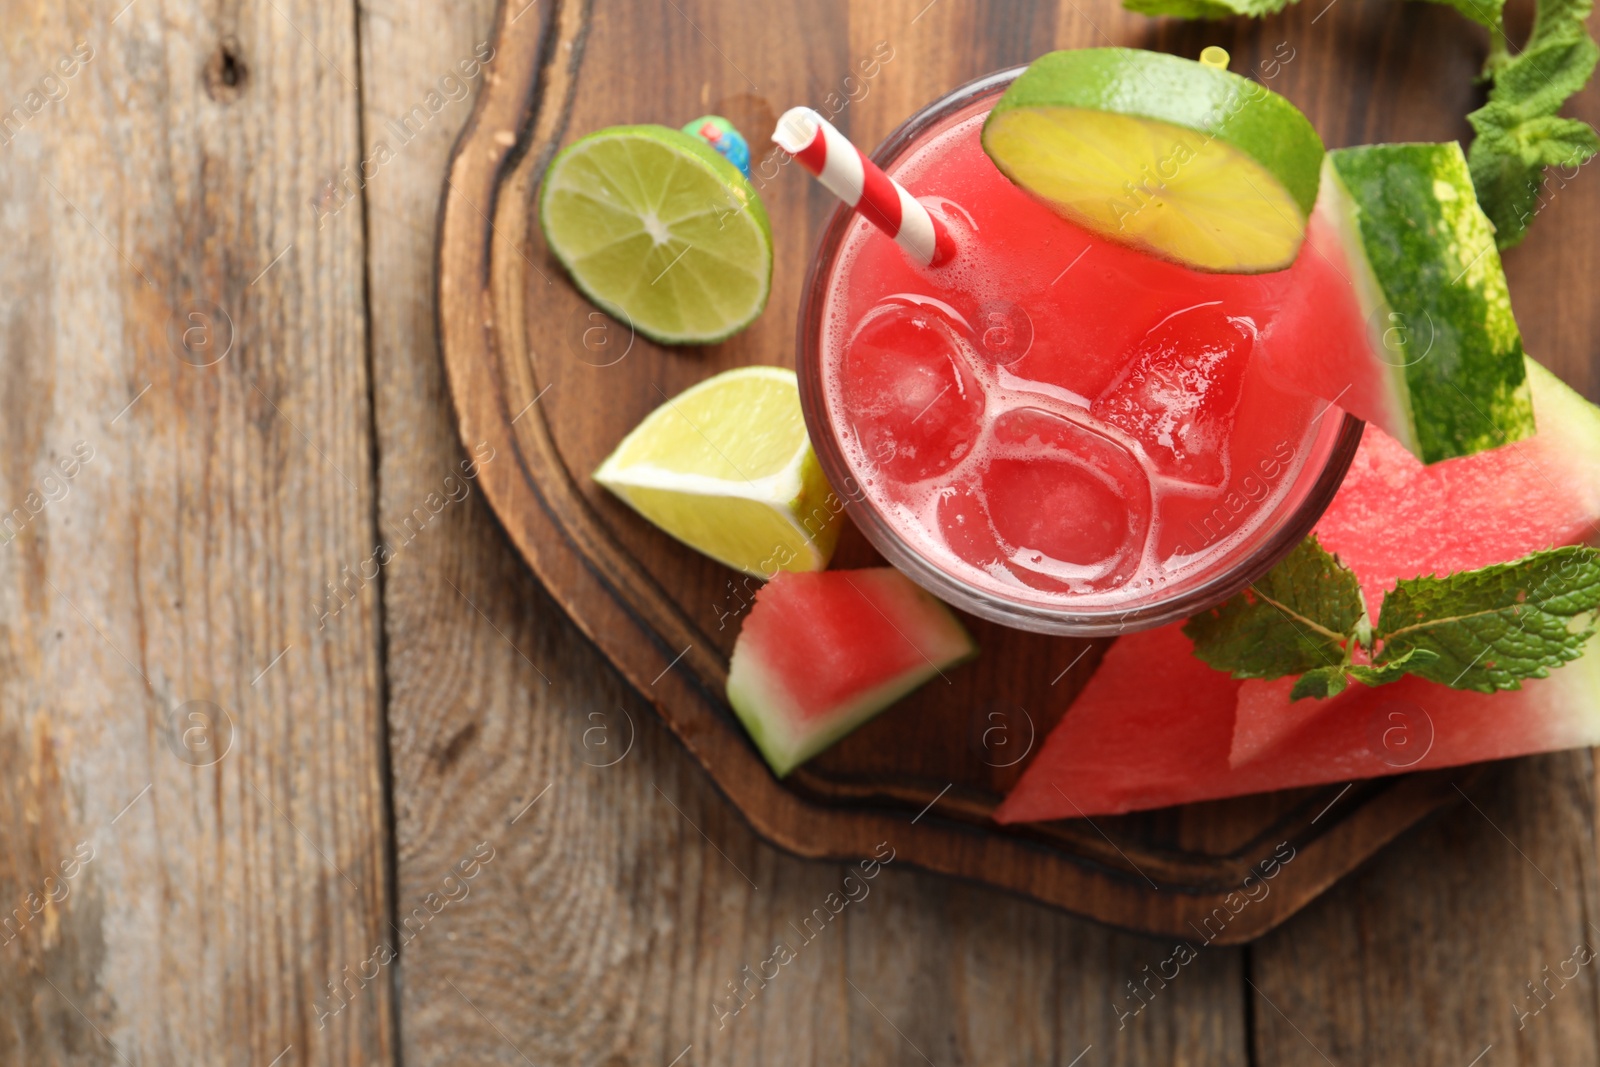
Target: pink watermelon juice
<point>1056,431</point>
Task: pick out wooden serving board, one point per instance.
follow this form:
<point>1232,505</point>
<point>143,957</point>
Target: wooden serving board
<point>551,385</point>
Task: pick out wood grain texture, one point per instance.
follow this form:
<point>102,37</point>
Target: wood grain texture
<point>1425,955</point>
<point>194,547</point>
<point>1431,949</point>
<point>531,381</point>
<point>616,909</point>
<point>155,220</point>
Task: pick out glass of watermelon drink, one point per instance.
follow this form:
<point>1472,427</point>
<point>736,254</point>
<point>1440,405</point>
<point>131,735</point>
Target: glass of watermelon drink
<point>1055,432</point>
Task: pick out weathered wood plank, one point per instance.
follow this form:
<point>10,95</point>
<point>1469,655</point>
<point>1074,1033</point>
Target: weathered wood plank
<point>156,220</point>
<point>1424,955</point>
<point>620,907</point>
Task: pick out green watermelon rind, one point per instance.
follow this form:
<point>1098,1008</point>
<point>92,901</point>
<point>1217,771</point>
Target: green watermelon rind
<point>760,704</point>
<point>1425,257</point>
<point>1563,705</point>
<point>755,699</point>
<point>1572,426</point>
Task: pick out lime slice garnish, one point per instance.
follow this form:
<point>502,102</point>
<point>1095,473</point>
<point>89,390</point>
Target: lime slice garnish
<point>660,231</point>
<point>1183,160</point>
<point>726,468</point>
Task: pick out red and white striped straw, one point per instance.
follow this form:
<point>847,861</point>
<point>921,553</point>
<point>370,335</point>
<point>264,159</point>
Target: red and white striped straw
<point>846,172</point>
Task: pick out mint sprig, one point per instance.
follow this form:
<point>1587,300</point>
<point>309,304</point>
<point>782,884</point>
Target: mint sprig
<point>1489,629</point>
<point>1519,133</point>
<point>1302,616</point>
<point>1481,630</point>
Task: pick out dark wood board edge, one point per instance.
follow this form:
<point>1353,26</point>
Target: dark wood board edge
<point>482,274</point>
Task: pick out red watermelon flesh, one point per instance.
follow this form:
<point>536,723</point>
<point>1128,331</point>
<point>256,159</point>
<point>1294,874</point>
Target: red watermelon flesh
<point>1414,724</point>
<point>1333,325</point>
<point>1151,728</point>
<point>822,652</point>
<point>1154,726</point>
<point>1256,733</point>
<point>1394,518</point>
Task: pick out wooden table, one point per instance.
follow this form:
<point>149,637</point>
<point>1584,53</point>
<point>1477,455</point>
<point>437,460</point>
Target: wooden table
<point>268,800</point>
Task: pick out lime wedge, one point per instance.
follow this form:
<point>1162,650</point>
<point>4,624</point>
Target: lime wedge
<point>660,231</point>
<point>1183,160</point>
<point>726,468</point>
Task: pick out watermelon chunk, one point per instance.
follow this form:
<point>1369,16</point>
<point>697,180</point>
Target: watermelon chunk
<point>1154,727</point>
<point>821,653</point>
<point>1394,518</point>
<point>1400,258</point>
<point>1257,732</point>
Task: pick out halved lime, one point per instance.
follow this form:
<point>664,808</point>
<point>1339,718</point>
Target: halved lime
<point>726,468</point>
<point>660,231</point>
<point>1183,160</point>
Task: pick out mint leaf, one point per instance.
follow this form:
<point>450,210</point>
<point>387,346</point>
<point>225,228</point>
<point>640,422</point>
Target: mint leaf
<point>1322,683</point>
<point>1518,133</point>
<point>1493,627</point>
<point>1483,12</point>
<point>1559,20</point>
<point>1541,78</point>
<point>1409,662</point>
<point>1207,9</point>
<point>1327,682</point>
<point>1304,614</point>
<point>1508,161</point>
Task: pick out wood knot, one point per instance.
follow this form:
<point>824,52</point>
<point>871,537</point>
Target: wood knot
<point>445,756</point>
<point>226,73</point>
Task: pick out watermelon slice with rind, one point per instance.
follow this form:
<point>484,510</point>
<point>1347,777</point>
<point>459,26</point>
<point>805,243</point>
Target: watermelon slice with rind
<point>1155,726</point>
<point>821,653</point>
<point>1394,518</point>
<point>1433,355</point>
<point>1414,725</point>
